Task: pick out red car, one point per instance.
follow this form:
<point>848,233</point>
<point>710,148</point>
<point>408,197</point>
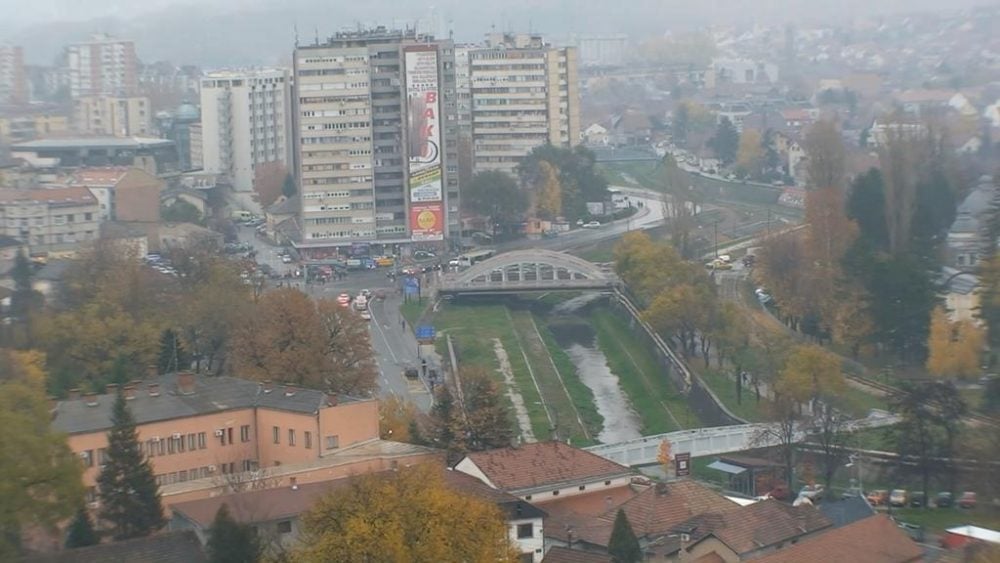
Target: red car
<point>344,300</point>
<point>967,500</point>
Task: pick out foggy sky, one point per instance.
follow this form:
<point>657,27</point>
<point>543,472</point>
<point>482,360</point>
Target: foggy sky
<point>219,32</point>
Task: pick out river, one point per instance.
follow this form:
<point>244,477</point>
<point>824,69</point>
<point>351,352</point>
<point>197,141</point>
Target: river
<point>571,329</point>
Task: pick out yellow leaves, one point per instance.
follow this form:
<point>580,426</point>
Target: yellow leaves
<point>395,416</point>
<point>549,191</point>
<point>750,153</point>
<point>664,456</point>
<point>810,372</point>
<point>405,516</point>
<point>955,348</point>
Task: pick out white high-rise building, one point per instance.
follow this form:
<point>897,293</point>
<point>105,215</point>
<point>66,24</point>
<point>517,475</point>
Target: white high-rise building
<point>245,118</point>
<point>103,66</point>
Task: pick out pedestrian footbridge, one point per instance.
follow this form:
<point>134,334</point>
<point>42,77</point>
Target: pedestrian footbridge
<point>523,271</point>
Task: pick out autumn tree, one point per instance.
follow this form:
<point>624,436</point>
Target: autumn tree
<point>130,497</point>
<point>214,304</point>
<point>548,192</point>
<point>783,268</point>
<point>495,194</point>
<point>811,373</point>
<point>579,179</point>
<point>750,154</point>
<point>726,141</point>
<point>396,419</point>
<point>680,203</point>
<point>488,420</point>
<point>623,547</point>
<point>40,478</point>
<point>317,344</point>
<point>826,163</point>
<point>955,348</point>
<point>403,516</point>
<point>230,541</point>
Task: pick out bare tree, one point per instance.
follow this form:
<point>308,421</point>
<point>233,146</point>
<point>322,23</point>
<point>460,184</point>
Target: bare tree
<point>829,432</point>
<point>826,162</point>
<point>781,433</point>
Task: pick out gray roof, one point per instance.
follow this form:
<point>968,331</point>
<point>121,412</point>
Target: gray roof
<point>211,394</point>
<point>846,511</point>
<point>958,281</point>
<point>171,547</point>
<point>92,142</point>
<point>978,200</point>
<point>54,270</point>
<point>285,206</point>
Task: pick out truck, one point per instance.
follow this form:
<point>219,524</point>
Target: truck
<point>471,258</point>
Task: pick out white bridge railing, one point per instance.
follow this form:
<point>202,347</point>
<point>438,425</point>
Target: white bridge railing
<point>713,441</point>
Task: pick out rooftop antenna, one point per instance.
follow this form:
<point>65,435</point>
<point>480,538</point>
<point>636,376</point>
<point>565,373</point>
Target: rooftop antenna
<point>295,27</point>
<point>316,31</point>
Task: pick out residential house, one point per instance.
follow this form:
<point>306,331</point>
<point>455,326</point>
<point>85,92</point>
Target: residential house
<point>748,532</point>
<point>596,135</point>
<point>50,219</point>
<point>797,119</point>
<point>873,540</point>
<point>846,511</point>
<point>170,547</point>
<point>567,555</point>
<point>961,294</point>
<point>276,512</point>
<point>125,193</point>
<point>964,244</point>
<point>543,471</point>
<point>282,212</point>
<point>178,192</point>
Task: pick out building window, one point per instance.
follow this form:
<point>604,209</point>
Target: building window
<point>582,487</point>
<point>88,216</point>
<point>285,527</point>
<point>88,458</point>
<point>245,433</point>
<point>229,435</point>
<point>192,442</point>
<point>607,483</point>
<point>526,558</point>
<point>555,493</point>
<point>332,442</point>
<point>201,440</point>
<point>525,531</point>
<point>308,439</point>
<point>291,437</point>
<point>276,434</point>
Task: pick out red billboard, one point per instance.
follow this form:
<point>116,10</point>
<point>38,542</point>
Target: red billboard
<point>427,221</point>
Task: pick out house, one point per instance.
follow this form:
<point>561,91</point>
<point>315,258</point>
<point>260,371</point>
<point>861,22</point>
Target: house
<point>132,237</point>
<point>798,118</point>
<point>178,192</point>
<point>876,539</point>
<point>169,547</point>
<point>596,135</point>
<point>125,193</point>
<point>748,532</point>
<point>846,511</point>
<point>961,294</point>
<point>282,210</point>
<point>181,235</point>
<point>964,244</point>
<point>276,512</point>
<point>567,555</point>
<point>544,471</point>
<point>50,219</point>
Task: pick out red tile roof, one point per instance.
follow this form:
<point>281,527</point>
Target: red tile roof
<point>543,464</point>
<point>566,555</point>
<point>710,558</point>
<point>107,176</point>
<point>873,540</point>
<point>658,509</point>
<point>759,525</point>
<point>68,194</point>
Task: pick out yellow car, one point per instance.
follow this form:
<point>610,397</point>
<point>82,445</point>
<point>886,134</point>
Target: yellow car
<point>385,261</point>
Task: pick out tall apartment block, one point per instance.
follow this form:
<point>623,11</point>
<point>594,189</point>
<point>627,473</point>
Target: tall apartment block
<point>13,80</point>
<point>245,120</point>
<point>525,94</point>
<point>103,66</point>
<point>376,148</point>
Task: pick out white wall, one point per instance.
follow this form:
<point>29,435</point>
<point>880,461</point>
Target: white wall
<point>534,545</point>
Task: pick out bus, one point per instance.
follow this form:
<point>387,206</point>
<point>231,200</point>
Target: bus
<point>470,258</point>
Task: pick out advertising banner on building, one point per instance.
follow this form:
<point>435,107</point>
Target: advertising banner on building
<point>424,124</point>
<point>427,221</point>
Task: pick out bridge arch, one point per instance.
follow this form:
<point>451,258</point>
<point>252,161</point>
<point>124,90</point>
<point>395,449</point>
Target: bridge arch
<point>531,269</point>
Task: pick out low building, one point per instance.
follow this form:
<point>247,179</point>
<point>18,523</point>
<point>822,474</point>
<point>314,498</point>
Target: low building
<point>194,427</point>
<point>544,471</point>
<point>118,116</point>
<point>171,547</point>
<point>965,244</point>
<point>124,193</point>
<point>181,235</point>
<point>27,126</point>
<point>50,219</point>
<point>156,156</point>
<point>276,512</point>
<point>873,540</point>
<point>961,294</point>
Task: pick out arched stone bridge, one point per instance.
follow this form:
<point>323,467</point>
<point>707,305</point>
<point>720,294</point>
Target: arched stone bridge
<point>522,271</point>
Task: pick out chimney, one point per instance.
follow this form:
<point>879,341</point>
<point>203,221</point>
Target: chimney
<point>129,391</point>
<point>185,382</point>
<point>111,388</point>
<point>294,482</point>
<point>290,389</point>
<point>90,399</point>
<point>266,385</point>
<point>154,389</point>
<point>74,394</point>
<point>331,399</point>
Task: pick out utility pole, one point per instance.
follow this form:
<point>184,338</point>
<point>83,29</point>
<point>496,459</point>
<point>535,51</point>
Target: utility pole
<point>716,226</point>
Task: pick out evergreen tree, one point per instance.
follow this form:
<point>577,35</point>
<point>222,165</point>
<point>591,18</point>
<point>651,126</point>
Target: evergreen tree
<point>81,531</point>
<point>726,141</point>
<point>130,498</point>
<point>489,420</point>
<point>623,545</point>
<point>232,542</point>
<point>288,188</point>
<point>173,357</point>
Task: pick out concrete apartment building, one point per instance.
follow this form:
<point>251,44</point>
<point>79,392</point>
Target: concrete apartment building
<point>19,126</point>
<point>13,79</point>
<point>193,427</point>
<point>376,141</point>
<point>112,115</point>
<point>50,219</point>
<point>245,117</point>
<point>103,66</point>
<point>525,94</point>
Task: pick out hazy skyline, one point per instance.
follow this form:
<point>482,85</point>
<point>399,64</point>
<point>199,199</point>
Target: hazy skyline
<point>230,32</point>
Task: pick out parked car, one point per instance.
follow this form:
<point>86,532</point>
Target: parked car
<point>898,497</point>
<point>878,497</point>
<point>411,373</point>
<point>592,225</point>
<point>366,315</point>
<point>917,499</point>
<point>344,300</point>
<point>944,500</point>
<point>286,259</point>
<point>967,500</point>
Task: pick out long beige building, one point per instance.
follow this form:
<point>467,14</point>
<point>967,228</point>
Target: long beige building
<point>376,142</point>
<point>50,219</point>
<point>524,94</point>
<point>113,115</point>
